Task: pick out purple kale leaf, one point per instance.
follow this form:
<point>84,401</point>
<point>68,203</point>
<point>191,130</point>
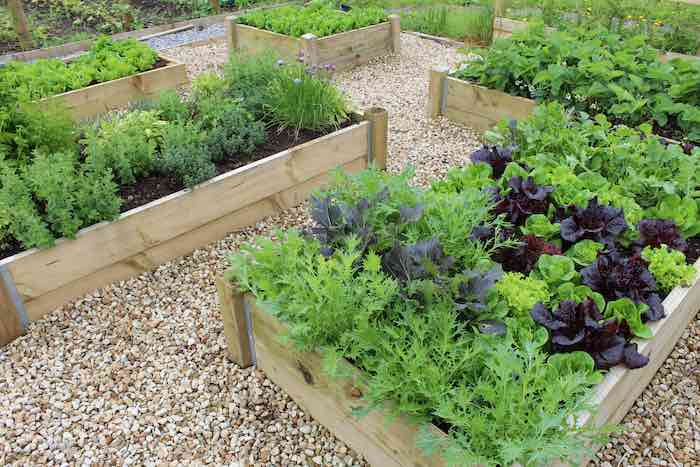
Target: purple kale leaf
<point>615,276</point>
<point>422,260</point>
<point>524,257</point>
<point>524,198</point>
<point>596,222</point>
<point>496,156</point>
<point>474,287</point>
<point>334,222</point>
<point>657,232</point>
<point>579,327</point>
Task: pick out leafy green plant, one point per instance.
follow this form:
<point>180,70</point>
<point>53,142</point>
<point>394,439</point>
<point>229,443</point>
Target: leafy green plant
<point>669,267</point>
<point>593,71</point>
<point>184,155</point>
<point>319,18</point>
<point>106,60</point>
<point>626,310</point>
<point>522,293</point>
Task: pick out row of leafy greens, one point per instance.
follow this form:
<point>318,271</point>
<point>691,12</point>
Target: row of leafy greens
<point>491,303</point>
<point>596,71</point>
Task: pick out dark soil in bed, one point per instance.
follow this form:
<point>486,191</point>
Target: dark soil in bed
<point>155,187</point>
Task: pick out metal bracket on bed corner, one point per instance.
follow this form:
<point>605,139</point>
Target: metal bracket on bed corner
<point>249,330</point>
<point>370,143</point>
<point>12,291</point>
<point>443,95</point>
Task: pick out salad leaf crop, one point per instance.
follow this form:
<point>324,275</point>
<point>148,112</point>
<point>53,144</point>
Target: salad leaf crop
<point>669,267</point>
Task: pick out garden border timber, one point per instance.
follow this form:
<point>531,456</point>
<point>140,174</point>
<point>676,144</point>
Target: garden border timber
<point>472,105</point>
<point>505,27</point>
<point>72,48</point>
<point>344,50</point>
<point>252,337</point>
<point>35,282</point>
<point>103,97</point>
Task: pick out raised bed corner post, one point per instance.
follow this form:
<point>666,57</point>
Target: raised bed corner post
<point>498,12</point>
<point>13,316</point>
<point>437,91</point>
<point>237,323</point>
<point>395,21</point>
<point>19,20</point>
<point>378,136</point>
<point>231,34</point>
<point>309,49</point>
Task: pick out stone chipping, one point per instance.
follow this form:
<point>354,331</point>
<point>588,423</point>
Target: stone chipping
<point>136,373</point>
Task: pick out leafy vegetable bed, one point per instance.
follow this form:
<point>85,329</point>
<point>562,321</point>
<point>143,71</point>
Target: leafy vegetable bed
<point>248,142</point>
<point>319,18</point>
<point>596,72</point>
<point>317,35</point>
<point>492,304</point>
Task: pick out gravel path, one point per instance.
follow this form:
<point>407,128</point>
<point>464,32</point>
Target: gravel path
<point>136,373</point>
<point>195,34</point>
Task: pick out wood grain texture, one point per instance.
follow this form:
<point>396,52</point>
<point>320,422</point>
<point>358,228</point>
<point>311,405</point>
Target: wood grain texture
<point>347,50</point>
<point>481,108</point>
<point>145,237</point>
<point>104,97</point>
<point>331,401</point>
<point>151,258</point>
<point>436,80</point>
<point>232,307</point>
<point>253,40</point>
<point>10,324</point>
<point>379,135</point>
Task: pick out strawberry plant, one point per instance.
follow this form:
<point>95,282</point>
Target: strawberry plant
<point>597,72</point>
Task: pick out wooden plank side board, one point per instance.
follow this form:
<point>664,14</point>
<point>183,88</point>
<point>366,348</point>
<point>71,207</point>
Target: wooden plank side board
<point>343,50</point>
<point>253,40</point>
<point>349,49</point>
<point>186,243</point>
<point>476,106</point>
<point>331,401</point>
<point>175,225</point>
<point>103,97</point>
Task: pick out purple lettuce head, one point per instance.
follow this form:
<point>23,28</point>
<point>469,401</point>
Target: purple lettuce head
<point>579,327</point>
<point>524,257</point>
<point>657,232</point>
<point>496,156</point>
<point>524,199</point>
<point>596,222</point>
<point>614,277</point>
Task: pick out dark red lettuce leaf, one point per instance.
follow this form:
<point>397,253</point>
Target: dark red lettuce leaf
<point>579,327</point>
<point>595,222</point>
<point>615,276</point>
<point>657,232</point>
<point>633,359</point>
<point>496,156</point>
<point>524,257</point>
<point>524,198</point>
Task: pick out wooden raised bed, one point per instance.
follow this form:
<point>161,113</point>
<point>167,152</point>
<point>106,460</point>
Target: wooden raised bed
<point>505,27</point>
<point>472,105</point>
<point>103,97</point>
<point>344,50</point>
<point>253,338</point>
<point>36,282</point>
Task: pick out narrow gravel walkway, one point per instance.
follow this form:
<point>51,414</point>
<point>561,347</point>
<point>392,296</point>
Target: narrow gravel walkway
<point>136,373</point>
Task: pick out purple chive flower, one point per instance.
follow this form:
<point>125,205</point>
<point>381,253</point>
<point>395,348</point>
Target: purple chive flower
<point>297,81</point>
<point>280,62</point>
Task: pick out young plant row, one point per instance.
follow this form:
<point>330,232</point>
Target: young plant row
<point>491,303</point>
<point>56,177</point>
<point>320,18</point>
<point>105,61</point>
<point>597,72</point>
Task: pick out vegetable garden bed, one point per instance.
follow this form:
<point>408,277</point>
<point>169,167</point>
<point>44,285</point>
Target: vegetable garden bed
<point>472,105</point>
<point>512,310</point>
<point>38,281</point>
<point>103,97</point>
<point>341,51</point>
<point>253,338</point>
